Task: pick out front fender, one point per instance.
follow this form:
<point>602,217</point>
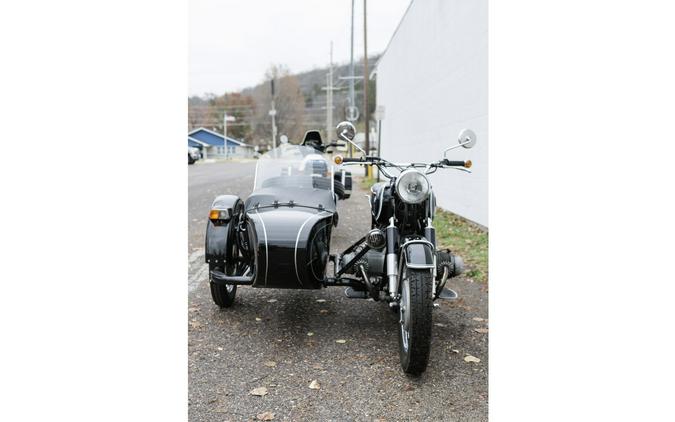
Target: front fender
<point>220,235</point>
<point>419,254</point>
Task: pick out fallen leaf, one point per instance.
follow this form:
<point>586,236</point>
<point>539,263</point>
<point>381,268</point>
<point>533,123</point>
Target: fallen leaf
<point>321,300</point>
<point>258,319</point>
<point>265,416</point>
<point>455,351</point>
<point>314,385</point>
<point>341,341</point>
<point>478,319</point>
<point>310,334</point>
<point>469,358</point>
<point>272,300</point>
<point>481,330</point>
<point>258,391</point>
<point>270,363</point>
<point>317,366</point>
<point>195,324</point>
<point>323,311</point>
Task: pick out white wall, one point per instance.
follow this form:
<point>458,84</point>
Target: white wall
<point>432,81</point>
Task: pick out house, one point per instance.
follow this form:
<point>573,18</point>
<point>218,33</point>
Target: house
<point>444,44</point>
<point>212,145</point>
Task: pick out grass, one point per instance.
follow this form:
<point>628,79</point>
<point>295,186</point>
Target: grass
<point>461,236</point>
<point>466,240</point>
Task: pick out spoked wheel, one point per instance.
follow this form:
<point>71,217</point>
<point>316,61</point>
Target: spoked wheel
<point>223,295</point>
<point>415,307</point>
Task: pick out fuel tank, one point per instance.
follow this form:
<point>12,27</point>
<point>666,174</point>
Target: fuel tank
<point>291,246</point>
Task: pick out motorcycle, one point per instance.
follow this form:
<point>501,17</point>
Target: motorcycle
<point>280,238</point>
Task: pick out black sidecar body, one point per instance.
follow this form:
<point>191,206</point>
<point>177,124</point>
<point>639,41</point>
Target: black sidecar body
<point>280,236</point>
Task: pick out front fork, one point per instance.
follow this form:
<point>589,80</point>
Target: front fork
<point>392,259</point>
<point>430,234</point>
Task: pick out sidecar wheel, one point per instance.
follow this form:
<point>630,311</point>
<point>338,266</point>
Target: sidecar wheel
<point>339,189</point>
<point>414,340</point>
<point>223,296</point>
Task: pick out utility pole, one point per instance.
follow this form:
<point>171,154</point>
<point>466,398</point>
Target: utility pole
<point>365,81</point>
<point>227,150</point>
<point>329,96</point>
<point>351,73</point>
<point>226,119</point>
<point>329,88</point>
<point>273,113</point>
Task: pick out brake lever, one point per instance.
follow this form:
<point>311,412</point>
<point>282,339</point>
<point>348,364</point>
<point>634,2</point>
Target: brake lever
<point>459,168</point>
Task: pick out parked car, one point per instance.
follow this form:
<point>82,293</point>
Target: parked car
<point>193,155</point>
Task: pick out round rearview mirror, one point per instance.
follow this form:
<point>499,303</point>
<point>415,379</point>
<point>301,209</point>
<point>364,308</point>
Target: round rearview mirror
<point>283,139</point>
<point>346,131</point>
<point>467,138</point>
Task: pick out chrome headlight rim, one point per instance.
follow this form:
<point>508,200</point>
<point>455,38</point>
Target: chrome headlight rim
<point>402,193</point>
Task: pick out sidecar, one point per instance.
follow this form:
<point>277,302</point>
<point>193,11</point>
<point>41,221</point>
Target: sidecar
<point>279,237</point>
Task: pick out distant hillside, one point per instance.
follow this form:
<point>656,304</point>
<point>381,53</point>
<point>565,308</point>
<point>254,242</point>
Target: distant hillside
<point>250,107</point>
<point>311,83</point>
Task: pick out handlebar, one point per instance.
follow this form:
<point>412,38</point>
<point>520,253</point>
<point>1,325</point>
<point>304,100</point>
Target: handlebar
<point>447,162</point>
<point>353,160</point>
<point>382,164</point>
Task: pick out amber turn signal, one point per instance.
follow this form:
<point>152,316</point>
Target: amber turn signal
<point>338,159</point>
<point>468,164</point>
<point>214,214</point>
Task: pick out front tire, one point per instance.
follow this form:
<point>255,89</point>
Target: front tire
<point>414,339</point>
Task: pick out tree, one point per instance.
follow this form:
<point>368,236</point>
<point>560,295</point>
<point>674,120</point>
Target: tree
<point>209,111</point>
<point>289,103</point>
<point>236,105</point>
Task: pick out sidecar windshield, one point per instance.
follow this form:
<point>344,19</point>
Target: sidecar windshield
<point>293,167</point>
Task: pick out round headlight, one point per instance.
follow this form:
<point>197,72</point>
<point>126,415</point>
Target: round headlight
<point>412,186</point>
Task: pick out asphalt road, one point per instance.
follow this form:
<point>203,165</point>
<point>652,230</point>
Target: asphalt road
<point>283,340</point>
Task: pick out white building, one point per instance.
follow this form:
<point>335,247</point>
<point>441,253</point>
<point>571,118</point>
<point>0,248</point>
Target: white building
<point>432,81</point>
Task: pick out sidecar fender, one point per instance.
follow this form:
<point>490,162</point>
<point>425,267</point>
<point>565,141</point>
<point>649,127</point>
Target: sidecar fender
<point>220,234</point>
<point>418,253</point>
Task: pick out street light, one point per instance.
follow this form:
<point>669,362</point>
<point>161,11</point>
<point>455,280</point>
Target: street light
<point>226,119</point>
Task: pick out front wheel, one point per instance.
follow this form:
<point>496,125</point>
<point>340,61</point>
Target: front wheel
<point>415,306</point>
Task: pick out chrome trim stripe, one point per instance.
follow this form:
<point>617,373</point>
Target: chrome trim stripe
<point>267,259</point>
